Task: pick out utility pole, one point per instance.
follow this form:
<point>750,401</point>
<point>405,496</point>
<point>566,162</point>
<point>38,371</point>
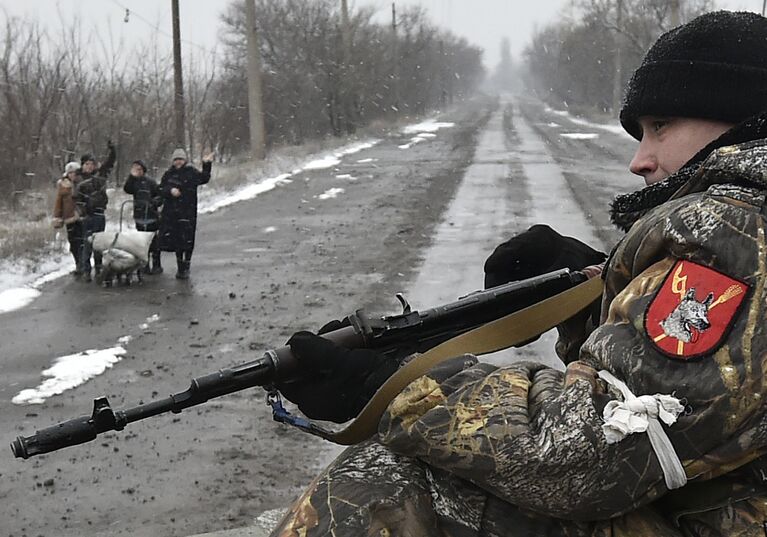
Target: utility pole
<point>444,79</point>
<point>178,79</point>
<point>395,59</point>
<point>255,104</point>
<point>617,59</point>
<point>346,83</point>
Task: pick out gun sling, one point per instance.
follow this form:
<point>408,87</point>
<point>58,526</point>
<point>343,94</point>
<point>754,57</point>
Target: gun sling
<point>503,333</point>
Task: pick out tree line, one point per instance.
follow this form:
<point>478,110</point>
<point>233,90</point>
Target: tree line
<point>585,58</point>
<point>66,94</point>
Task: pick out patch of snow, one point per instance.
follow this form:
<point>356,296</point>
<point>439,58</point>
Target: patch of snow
<point>19,286</point>
<point>366,160</point>
<point>552,124</point>
<point>579,135</point>
<point>334,158</point>
<point>244,193</point>
<point>327,161</point>
<point>270,229</point>
<point>260,186</point>
<point>70,371</point>
<point>149,320</point>
<point>332,193</point>
<point>356,147</point>
<point>17,298</point>
<point>609,127</point>
<point>347,176</point>
<point>430,125</point>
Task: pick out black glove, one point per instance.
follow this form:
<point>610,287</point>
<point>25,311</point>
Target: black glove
<point>110,145</point>
<point>336,382</point>
<point>537,251</point>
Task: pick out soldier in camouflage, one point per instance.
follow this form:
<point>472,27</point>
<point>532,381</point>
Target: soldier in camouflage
<point>472,449</point>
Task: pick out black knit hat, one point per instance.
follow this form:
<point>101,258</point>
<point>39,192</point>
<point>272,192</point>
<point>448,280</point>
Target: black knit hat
<point>713,67</point>
<point>86,157</point>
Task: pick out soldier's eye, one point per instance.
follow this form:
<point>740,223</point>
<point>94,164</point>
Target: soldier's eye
<point>659,124</point>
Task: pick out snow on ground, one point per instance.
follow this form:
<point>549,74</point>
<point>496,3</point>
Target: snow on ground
<point>579,135</point>
<point>258,186</point>
<point>331,193</point>
<point>19,285</point>
<point>614,128</point>
<point>430,125</point>
<point>423,131</point>
<point>72,370</point>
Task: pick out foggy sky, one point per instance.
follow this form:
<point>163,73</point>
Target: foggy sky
<point>482,22</point>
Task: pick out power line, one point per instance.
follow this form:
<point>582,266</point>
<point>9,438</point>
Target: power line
<point>156,27</point>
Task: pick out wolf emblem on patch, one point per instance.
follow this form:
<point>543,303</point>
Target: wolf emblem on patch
<point>693,310</point>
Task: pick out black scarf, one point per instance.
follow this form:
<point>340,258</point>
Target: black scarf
<point>628,208</point>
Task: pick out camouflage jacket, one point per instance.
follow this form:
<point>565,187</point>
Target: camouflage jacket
<point>520,450</point>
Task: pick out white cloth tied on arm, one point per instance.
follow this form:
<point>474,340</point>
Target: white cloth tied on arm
<point>639,414</point>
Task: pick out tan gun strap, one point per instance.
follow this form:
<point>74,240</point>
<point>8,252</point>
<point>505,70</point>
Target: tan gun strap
<point>497,335</point>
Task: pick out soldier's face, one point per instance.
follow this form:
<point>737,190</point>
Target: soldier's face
<point>669,142</point>
<point>89,166</point>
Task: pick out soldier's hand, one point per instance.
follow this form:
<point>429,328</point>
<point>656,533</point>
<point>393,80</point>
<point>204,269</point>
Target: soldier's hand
<point>209,157</point>
<point>537,251</point>
<point>110,145</point>
<point>336,382</point>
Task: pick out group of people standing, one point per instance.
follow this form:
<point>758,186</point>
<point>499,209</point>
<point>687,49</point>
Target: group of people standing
<point>169,209</point>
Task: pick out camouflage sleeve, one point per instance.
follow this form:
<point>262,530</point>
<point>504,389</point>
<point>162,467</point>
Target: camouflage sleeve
<point>533,436</point>
<point>522,433</point>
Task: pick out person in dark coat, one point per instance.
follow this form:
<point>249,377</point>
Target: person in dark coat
<point>147,199</point>
<point>94,167</point>
<point>91,198</point>
<point>179,216</point>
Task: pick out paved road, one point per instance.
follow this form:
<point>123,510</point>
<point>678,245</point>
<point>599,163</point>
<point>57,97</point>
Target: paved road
<point>420,219</point>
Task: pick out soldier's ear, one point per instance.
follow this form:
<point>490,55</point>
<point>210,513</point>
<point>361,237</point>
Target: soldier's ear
<point>690,295</point>
<point>709,299</point>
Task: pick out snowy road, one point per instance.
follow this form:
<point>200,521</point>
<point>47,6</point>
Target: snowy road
<point>419,211</point>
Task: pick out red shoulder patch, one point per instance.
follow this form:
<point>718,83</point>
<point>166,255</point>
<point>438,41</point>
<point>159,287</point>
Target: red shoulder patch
<point>693,310</point>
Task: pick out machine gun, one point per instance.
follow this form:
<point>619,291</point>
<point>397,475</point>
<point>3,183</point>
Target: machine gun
<point>412,331</point>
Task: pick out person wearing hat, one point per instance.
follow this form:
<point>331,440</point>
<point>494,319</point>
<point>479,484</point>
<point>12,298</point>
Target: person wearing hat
<point>178,224</point>
<point>658,425</point>
<point>90,166</point>
<point>65,212</point>
<point>147,199</point>
<point>91,197</point>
